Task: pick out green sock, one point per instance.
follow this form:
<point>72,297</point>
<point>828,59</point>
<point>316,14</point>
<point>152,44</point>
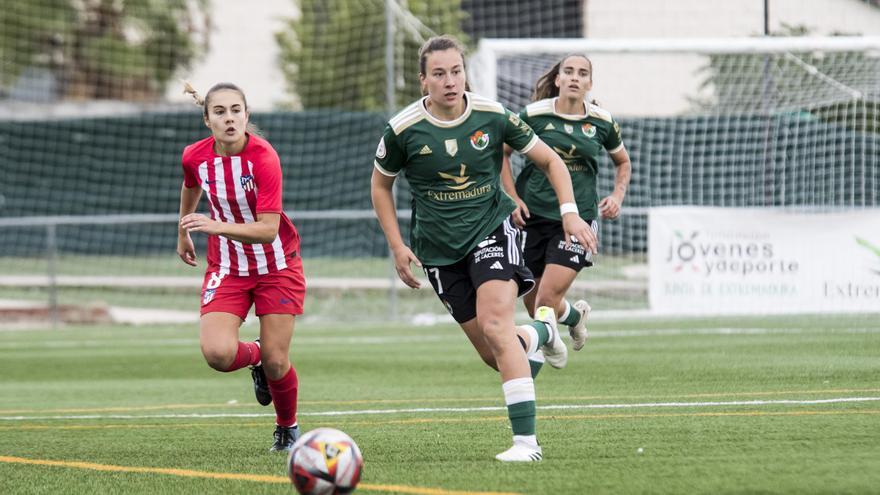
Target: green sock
<point>535,367</point>
<point>572,316</point>
<point>543,332</point>
<point>522,417</point>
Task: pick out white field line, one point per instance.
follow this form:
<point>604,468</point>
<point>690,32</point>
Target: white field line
<point>430,410</point>
<point>664,332</point>
<point>396,339</point>
<point>177,342</point>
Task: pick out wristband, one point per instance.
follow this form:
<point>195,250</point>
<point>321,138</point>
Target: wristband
<point>568,208</point>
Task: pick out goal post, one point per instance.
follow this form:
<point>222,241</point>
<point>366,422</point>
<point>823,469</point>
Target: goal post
<point>484,61</point>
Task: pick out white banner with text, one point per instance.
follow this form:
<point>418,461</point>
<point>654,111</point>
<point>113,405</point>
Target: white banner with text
<point>762,261</point>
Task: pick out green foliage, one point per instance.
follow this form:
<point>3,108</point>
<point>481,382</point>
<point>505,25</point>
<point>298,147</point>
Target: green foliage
<point>101,48</point>
<point>333,56</point>
<point>30,33</point>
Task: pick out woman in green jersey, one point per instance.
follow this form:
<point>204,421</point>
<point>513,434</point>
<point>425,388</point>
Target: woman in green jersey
<point>449,145</point>
<point>579,131</point>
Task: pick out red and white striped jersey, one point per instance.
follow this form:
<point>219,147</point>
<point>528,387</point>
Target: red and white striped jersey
<point>238,188</point>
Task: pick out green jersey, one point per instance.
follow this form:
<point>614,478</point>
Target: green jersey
<point>454,169</point>
<point>579,141</point>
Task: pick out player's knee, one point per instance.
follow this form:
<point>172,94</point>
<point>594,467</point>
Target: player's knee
<point>492,326</point>
<point>218,357</point>
<point>275,364</point>
<point>549,298</point>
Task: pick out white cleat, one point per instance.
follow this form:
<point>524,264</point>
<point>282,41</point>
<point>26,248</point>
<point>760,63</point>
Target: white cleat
<point>578,332</point>
<point>554,350</point>
<point>521,452</point>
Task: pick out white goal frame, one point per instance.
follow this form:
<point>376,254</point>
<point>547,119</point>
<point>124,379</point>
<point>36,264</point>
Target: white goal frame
<point>483,63</point>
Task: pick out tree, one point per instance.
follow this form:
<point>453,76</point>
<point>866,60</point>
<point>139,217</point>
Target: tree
<point>120,49</point>
<point>333,55</point>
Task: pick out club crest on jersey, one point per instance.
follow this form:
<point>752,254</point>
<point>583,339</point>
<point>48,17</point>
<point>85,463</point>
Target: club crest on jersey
<point>380,150</point>
<point>479,140</point>
<point>451,146</point>
<point>568,128</point>
<point>208,295</point>
<point>247,182</point>
<point>588,130</point>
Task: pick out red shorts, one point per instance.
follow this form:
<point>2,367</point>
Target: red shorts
<point>278,292</point>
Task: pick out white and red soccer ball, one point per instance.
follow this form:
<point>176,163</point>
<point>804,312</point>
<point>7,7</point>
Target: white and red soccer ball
<point>325,461</point>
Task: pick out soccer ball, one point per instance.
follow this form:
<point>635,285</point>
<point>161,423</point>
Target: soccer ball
<point>325,461</point>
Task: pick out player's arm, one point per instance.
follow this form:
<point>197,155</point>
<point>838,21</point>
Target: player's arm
<point>381,192</point>
<point>522,211</point>
<point>609,206</point>
<point>549,162</point>
<point>189,200</point>
<point>263,231</point>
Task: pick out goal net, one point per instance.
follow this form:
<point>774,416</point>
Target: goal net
<point>750,123</point>
<point>92,124</point>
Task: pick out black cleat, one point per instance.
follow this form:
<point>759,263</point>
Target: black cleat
<point>285,437</point>
<point>261,386</point>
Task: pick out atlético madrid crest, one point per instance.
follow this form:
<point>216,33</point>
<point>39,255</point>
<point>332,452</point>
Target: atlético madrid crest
<point>479,140</point>
<point>247,182</point>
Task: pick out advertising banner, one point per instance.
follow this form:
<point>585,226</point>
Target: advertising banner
<point>763,261</point>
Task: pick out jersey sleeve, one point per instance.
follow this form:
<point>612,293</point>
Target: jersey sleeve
<point>613,141</point>
<point>390,157</point>
<point>189,175</point>
<point>268,180</point>
<point>517,133</point>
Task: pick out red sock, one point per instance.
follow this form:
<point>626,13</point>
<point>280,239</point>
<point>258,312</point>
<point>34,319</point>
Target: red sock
<point>248,355</point>
<point>284,397</point>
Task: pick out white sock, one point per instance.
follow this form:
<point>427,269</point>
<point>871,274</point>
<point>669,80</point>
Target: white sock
<point>567,311</point>
<point>532,344</point>
<point>518,390</point>
<point>530,440</point>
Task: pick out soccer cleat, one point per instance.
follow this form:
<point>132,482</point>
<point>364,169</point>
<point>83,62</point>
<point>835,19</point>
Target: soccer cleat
<point>285,437</point>
<point>521,452</point>
<point>555,351</point>
<point>578,332</point>
<point>261,386</point>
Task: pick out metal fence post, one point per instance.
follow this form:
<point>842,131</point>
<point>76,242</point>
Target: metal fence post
<point>389,109</point>
<point>52,268</point>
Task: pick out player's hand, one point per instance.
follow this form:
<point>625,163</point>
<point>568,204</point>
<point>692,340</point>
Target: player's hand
<point>521,213</point>
<point>196,222</point>
<point>403,256</point>
<point>609,207</point>
<point>575,227</point>
<point>186,250</point>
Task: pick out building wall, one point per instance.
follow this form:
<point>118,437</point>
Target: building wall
<point>659,85</point>
<point>243,51</point>
<point>243,48</point>
<point>720,18</point>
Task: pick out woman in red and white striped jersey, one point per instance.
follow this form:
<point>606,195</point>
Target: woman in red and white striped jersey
<point>253,252</point>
